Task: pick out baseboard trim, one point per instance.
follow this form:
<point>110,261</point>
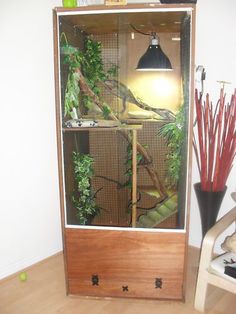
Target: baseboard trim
<point>16,274</point>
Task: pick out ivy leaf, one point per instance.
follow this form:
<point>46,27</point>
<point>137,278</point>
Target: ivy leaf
<point>106,111</point>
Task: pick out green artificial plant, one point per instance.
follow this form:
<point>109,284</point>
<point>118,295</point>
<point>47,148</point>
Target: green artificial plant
<point>73,57</point>
<point>83,199</point>
<point>91,64</point>
<point>173,133</point>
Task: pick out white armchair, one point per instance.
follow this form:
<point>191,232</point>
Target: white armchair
<point>211,269</point>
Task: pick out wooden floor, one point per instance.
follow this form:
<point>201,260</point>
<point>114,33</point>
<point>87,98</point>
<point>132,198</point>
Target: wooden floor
<point>44,293</point>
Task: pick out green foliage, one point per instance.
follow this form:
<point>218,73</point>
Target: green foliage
<point>74,59</point>
<point>83,199</point>
<point>91,64</point>
<point>106,110</point>
<point>173,133</point>
<point>72,93</point>
<point>93,68</point>
<point>112,71</point>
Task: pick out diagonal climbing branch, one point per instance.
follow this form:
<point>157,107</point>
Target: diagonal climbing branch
<point>148,164</point>
<point>88,91</point>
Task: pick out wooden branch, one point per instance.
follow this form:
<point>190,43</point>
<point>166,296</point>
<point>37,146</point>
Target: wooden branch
<point>156,181</point>
<point>119,185</point>
<point>149,165</point>
<point>87,90</point>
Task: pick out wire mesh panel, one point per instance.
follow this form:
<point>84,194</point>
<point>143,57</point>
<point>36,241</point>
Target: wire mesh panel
<point>110,59</point>
<point>157,148</point>
<point>109,151</point>
<point>117,95</point>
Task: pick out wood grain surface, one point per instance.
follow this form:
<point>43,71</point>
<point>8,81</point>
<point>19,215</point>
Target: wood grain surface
<point>125,258</point>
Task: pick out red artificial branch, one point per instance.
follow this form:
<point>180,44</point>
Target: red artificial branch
<point>216,147</point>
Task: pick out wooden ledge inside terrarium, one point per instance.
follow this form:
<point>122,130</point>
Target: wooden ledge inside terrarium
<point>122,127</point>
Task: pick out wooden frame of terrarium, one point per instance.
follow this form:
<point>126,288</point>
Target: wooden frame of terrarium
<point>110,261</point>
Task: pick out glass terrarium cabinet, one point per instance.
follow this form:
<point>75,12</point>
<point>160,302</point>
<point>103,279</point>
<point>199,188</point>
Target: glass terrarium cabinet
<point>124,119</point>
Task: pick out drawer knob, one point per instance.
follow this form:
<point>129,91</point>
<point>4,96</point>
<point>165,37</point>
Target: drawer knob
<point>125,288</point>
<point>95,280</point>
<point>158,283</point>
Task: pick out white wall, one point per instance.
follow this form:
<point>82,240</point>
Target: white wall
<point>216,51</point>
<point>29,197</point>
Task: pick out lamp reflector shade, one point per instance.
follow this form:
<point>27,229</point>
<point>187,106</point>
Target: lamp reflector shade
<point>154,59</point>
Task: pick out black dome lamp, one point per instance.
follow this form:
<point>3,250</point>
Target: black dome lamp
<point>154,58</point>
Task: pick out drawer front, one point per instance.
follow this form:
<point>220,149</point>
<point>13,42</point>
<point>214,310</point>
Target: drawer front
<point>165,289</point>
<point>125,263</point>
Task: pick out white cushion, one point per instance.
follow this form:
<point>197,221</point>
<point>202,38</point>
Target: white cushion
<point>218,264</point>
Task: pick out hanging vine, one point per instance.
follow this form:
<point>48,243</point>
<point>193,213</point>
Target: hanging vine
<point>173,133</point>
<point>83,198</point>
<point>91,65</point>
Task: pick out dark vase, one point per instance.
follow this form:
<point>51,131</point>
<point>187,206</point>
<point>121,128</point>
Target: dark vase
<point>209,205</point>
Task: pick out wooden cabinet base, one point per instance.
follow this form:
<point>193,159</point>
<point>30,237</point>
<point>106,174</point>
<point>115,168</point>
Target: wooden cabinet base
<point>117,263</point>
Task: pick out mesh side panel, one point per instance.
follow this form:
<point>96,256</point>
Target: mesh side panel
<point>109,151</point>
<point>170,222</point>
<point>110,52</point>
<point>124,194</point>
<point>157,149</point>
